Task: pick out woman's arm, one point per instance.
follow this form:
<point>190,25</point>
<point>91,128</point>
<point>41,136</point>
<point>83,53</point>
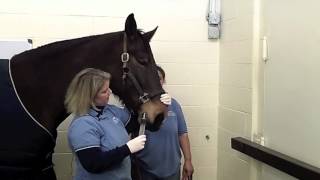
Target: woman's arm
<point>94,160</point>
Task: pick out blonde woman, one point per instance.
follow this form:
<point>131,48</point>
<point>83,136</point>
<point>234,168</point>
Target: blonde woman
<point>97,135</point>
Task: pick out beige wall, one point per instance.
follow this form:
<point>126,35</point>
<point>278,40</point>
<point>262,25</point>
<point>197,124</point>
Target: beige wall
<point>180,46</point>
<point>235,87</point>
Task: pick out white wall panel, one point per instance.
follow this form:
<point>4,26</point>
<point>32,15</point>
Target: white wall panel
<point>235,87</point>
<point>180,46</point>
<point>191,74</point>
<point>235,121</point>
<point>236,52</point>
<point>199,117</point>
<point>185,52</point>
<point>236,98</point>
<point>237,75</point>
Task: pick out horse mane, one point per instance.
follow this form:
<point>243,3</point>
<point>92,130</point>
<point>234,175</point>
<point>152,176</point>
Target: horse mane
<point>59,46</point>
<point>69,43</point>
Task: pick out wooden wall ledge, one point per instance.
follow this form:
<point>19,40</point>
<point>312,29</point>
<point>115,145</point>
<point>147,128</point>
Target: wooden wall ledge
<point>282,162</point>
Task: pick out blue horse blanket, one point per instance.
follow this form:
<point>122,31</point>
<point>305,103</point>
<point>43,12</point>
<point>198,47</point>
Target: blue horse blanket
<point>25,148</point>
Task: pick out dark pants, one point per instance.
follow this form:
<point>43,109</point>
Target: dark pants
<point>48,174</point>
<point>148,176</point>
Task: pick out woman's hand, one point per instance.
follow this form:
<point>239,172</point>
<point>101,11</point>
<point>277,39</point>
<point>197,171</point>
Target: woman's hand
<point>137,143</point>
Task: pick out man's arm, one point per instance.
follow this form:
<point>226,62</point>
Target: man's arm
<point>185,147</point>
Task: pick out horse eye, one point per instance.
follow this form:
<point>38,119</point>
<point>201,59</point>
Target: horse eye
<point>140,55</point>
<point>143,60</point>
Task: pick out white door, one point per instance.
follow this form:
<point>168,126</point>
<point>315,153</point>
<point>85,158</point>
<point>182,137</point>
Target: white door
<point>291,123</point>
<point>9,48</point>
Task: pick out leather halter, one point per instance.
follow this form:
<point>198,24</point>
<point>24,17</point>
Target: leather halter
<point>125,57</point>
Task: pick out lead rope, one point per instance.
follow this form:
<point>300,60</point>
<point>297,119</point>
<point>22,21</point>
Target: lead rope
<point>143,122</point>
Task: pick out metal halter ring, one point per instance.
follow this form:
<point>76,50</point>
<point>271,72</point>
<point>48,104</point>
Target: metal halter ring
<point>144,98</point>
<point>125,57</point>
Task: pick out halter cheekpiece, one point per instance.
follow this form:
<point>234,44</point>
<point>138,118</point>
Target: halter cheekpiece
<point>125,57</point>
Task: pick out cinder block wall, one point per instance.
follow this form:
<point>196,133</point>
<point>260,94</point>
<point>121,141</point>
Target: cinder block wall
<point>180,46</point>
<point>235,87</point>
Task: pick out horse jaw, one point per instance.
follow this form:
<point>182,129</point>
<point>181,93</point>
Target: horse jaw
<point>154,108</point>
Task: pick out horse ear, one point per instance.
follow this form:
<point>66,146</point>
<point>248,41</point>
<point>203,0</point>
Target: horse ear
<point>131,26</point>
<point>148,35</point>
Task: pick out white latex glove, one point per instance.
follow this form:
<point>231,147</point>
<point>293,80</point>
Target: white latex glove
<point>165,99</point>
<point>137,143</point>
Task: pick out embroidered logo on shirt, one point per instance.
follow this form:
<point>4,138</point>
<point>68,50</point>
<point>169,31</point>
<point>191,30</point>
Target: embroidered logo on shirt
<point>115,120</point>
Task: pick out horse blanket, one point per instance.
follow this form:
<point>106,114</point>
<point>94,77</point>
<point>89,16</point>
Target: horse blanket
<point>22,141</point>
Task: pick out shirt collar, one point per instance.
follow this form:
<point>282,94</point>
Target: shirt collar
<point>94,113</point>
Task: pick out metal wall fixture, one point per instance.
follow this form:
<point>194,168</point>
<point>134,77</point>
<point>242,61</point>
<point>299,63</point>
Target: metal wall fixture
<point>214,19</point>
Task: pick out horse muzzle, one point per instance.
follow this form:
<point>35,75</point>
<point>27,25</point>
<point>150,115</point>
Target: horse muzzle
<point>156,112</point>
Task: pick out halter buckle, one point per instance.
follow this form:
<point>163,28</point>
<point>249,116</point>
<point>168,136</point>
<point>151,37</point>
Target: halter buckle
<point>125,57</point>
<point>144,98</point>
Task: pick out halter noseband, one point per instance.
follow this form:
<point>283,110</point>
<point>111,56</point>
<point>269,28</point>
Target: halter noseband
<point>143,96</point>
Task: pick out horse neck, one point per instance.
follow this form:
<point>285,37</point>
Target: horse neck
<point>41,79</point>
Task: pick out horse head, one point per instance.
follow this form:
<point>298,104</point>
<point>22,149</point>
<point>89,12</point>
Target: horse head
<point>141,88</point>
<point>132,66</point>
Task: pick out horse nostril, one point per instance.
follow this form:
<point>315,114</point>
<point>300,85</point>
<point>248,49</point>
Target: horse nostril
<point>160,118</point>
<point>157,123</point>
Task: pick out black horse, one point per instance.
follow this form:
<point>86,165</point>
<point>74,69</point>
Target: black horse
<point>33,86</point>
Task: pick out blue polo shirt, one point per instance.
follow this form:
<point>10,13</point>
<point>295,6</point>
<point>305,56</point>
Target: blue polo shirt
<point>161,155</point>
<point>106,131</point>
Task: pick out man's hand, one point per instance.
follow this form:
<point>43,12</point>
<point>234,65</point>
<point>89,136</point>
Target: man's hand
<point>165,99</point>
<point>187,170</point>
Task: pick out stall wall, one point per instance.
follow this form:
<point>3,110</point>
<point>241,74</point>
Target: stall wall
<point>276,99</point>
<point>235,87</point>
<point>291,75</point>
<point>180,46</point>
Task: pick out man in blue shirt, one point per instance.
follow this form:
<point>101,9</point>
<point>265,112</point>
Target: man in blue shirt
<point>160,159</point>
